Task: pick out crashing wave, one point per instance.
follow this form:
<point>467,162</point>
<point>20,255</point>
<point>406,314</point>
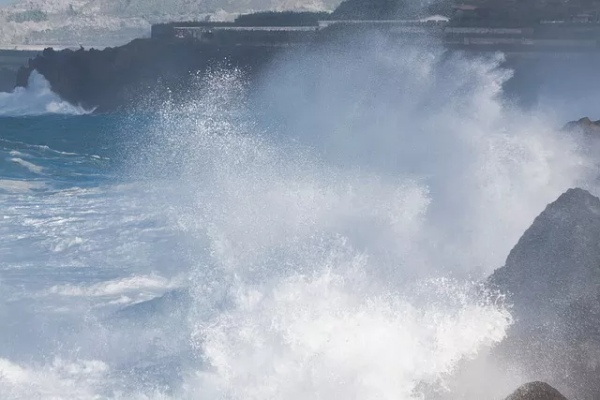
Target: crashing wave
<point>325,251</point>
<point>36,99</point>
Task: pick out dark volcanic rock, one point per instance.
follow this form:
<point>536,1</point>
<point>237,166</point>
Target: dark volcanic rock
<point>7,79</point>
<point>126,76</point>
<point>585,125</point>
<point>552,278</point>
<point>536,391</point>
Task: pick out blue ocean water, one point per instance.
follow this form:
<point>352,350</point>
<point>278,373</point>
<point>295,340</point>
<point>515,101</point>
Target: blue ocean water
<point>275,244</point>
<point>76,247</point>
<point>32,140</point>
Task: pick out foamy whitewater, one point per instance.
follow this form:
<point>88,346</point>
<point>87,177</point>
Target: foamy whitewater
<point>36,99</point>
<point>319,236</point>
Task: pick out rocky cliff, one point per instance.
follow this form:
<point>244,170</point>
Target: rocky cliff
<point>552,278</point>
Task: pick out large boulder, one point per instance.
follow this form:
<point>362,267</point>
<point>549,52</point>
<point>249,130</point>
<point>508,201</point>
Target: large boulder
<point>536,391</point>
<point>552,280</point>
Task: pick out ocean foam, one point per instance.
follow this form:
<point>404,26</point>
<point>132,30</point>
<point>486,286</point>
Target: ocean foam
<point>80,379</point>
<point>36,99</point>
<point>320,337</point>
<point>134,284</point>
<point>19,186</point>
<point>36,169</point>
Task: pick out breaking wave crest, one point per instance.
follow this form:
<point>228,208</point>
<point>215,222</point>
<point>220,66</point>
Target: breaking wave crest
<point>36,99</point>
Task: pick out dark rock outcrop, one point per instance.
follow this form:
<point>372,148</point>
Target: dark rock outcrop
<point>10,62</point>
<point>536,391</point>
<point>126,76</point>
<point>7,79</point>
<point>552,278</point>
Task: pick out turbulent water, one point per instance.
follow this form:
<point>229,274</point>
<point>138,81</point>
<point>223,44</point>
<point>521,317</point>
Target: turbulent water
<point>318,236</point>
<point>36,99</point>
